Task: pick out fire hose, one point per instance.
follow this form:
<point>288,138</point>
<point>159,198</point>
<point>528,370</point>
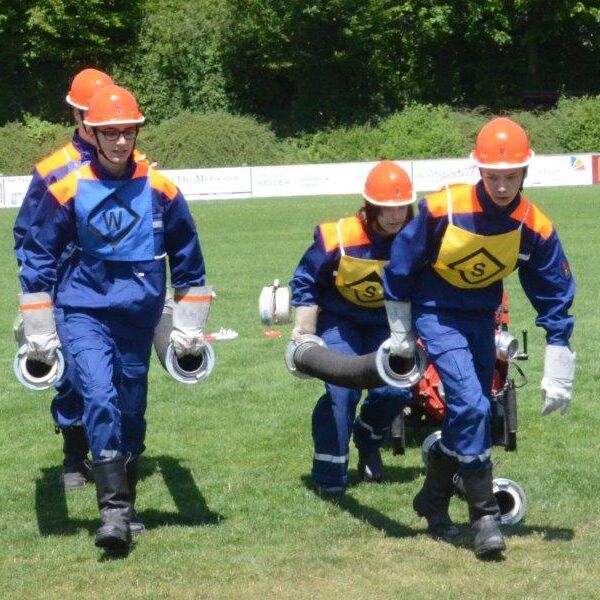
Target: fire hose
<point>34,374</point>
<point>188,369</point>
<point>310,357</point>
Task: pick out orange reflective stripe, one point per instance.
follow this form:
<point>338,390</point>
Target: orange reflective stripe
<point>533,218</point>
<point>464,200</point>
<point>193,298</point>
<point>353,234</point>
<point>37,306</point>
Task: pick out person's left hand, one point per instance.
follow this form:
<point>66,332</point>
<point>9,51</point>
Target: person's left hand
<point>557,382</point>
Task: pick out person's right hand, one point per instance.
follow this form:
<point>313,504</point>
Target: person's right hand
<point>403,344</point>
<point>402,337</point>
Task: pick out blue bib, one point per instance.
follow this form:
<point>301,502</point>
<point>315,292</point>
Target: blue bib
<point>114,219</point>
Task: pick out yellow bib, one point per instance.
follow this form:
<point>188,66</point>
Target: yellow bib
<point>470,260</point>
<point>359,280</point>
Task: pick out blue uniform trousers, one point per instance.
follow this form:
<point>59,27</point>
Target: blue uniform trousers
<point>462,348</point>
<point>111,361</point>
<point>334,414</point>
<point>67,405</point>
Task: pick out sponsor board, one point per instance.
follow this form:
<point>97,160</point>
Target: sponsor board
<point>14,189</point>
<point>212,184</point>
<point>312,180</point>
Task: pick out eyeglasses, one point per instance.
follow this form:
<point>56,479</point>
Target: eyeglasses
<point>112,135</point>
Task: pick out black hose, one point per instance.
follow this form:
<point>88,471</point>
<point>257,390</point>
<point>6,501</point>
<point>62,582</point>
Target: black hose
<point>356,372</point>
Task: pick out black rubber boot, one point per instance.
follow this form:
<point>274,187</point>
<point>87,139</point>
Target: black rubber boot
<point>114,502</point>
<point>370,465</point>
<point>136,526</point>
<point>484,512</point>
<point>433,500</point>
<point>76,471</point>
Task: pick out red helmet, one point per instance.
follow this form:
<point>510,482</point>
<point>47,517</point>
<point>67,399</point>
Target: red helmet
<point>113,105</point>
<point>388,185</point>
<point>502,144</point>
<point>84,85</point>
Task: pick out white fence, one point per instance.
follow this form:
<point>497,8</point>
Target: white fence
<point>340,178</point>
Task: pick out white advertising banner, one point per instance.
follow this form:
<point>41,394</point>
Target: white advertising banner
<point>431,175</point>
<point>561,169</point>
<point>312,180</point>
<point>212,184</point>
<point>338,178</point>
<point>14,190</point>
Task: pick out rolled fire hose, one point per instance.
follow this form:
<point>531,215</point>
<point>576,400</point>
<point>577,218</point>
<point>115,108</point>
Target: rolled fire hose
<point>34,374</point>
<point>274,304</point>
<point>510,496</point>
<point>185,369</point>
<point>309,357</point>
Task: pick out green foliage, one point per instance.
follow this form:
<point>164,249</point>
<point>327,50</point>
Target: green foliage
<point>218,138</point>
<point>177,63</point>
<point>578,124</point>
<point>44,43</point>
<point>422,131</point>
<point>23,145</point>
<point>214,139</point>
<point>343,144</point>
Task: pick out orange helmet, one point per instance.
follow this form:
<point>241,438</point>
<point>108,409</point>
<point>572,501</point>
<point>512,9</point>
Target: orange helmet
<point>113,105</point>
<point>84,85</point>
<point>502,144</point>
<point>388,185</point>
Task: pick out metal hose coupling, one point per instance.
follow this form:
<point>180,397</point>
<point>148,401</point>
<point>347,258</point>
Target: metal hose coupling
<point>295,351</point>
<point>189,368</point>
<point>35,374</point>
<point>398,371</point>
<point>511,500</point>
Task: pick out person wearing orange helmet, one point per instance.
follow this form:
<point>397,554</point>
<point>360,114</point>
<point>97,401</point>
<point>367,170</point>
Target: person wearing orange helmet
<point>67,405</point>
<point>444,283</point>
<point>125,219</point>
<point>337,291</point>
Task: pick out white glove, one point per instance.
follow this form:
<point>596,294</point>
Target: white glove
<point>187,341</point>
<point>402,337</point>
<point>39,326</point>
<point>190,313</point>
<point>43,347</point>
<point>557,382</point>
<point>306,321</point>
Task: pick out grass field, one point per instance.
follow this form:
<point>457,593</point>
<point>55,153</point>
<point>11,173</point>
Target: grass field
<point>225,478</point>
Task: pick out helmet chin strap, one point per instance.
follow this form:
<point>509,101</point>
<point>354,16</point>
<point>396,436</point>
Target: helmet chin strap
<point>101,150</point>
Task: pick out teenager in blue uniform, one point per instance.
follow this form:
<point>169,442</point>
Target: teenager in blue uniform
<point>124,218</point>
<point>445,279</point>
<point>67,405</point>
<point>338,294</point>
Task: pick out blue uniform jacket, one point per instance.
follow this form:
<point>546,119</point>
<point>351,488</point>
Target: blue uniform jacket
<point>47,171</point>
<point>542,265</point>
<point>313,281</point>
<point>122,230</point>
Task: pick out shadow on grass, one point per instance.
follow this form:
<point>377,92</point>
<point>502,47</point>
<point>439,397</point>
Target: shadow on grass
<point>192,510</point>
<point>364,513</point>
<point>392,528</point>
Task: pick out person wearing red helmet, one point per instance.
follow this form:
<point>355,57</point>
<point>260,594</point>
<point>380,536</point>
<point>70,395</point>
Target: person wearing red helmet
<point>125,218</point>
<point>67,405</point>
<point>337,291</point>
<point>444,283</point>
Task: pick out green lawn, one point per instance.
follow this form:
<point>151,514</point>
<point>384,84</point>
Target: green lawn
<point>224,489</point>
